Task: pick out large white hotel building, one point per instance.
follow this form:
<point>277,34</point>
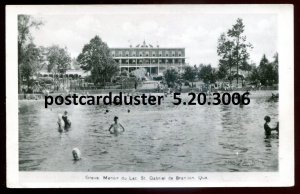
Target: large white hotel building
<point>154,59</point>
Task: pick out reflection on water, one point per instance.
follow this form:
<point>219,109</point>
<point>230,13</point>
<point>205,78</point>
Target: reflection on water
<point>157,138</point>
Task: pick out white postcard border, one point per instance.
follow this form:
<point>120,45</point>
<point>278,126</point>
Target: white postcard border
<point>285,175</point>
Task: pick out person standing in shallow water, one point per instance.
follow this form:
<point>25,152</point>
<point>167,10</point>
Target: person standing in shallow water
<point>268,129</point>
<point>66,120</point>
<point>116,126</point>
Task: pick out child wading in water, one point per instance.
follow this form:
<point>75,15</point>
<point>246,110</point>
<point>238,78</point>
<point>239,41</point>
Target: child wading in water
<point>116,127</point>
<point>268,129</point>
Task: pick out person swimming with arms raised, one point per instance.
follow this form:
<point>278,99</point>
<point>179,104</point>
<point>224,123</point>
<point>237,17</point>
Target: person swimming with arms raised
<point>268,129</point>
<point>116,127</point>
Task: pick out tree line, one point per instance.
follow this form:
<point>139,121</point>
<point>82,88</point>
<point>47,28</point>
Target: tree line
<point>266,74</point>
<point>233,51</point>
<point>32,59</point>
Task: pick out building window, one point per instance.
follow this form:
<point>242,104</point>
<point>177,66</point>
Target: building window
<point>147,54</point>
<point>113,54</point>
<point>127,54</point>
<point>160,53</point>
<point>120,53</point>
<point>153,54</point>
<point>173,53</point>
<point>167,54</point>
<point>179,54</point>
<point>140,54</point>
<point>133,53</point>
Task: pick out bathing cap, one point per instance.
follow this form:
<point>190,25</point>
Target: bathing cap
<point>77,151</point>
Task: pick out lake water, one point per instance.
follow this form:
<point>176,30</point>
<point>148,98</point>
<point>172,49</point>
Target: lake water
<point>170,138</point>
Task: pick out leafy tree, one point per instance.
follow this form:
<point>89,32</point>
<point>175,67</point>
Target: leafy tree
<point>225,51</point>
<point>245,65</point>
<point>25,24</point>
<point>139,73</point>
<point>171,75</point>
<point>59,59</point>
<point>31,63</point>
<point>25,46</point>
<point>208,74</point>
<point>125,73</point>
<point>275,68</point>
<point>254,75</point>
<point>222,72</point>
<point>264,70</point>
<point>189,73</point>
<point>268,72</point>
<point>240,46</point>
<point>95,57</point>
<point>233,47</point>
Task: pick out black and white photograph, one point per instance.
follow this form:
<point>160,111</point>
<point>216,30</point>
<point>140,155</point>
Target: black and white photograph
<point>150,93</point>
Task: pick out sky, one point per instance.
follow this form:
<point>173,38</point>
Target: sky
<point>197,33</point>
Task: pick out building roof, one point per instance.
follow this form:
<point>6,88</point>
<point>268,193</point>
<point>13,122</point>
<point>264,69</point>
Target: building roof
<point>145,46</point>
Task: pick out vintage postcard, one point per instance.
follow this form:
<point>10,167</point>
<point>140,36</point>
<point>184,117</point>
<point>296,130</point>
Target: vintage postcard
<point>150,95</point>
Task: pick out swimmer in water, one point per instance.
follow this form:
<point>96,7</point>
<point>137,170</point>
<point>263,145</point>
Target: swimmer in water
<point>66,119</point>
<point>268,129</point>
<point>76,154</point>
<point>116,127</point>
<point>60,123</point>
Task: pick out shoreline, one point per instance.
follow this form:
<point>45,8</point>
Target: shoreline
<point>34,97</point>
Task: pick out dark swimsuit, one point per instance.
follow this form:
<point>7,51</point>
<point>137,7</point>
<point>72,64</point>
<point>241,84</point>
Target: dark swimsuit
<point>67,123</point>
<point>268,130</point>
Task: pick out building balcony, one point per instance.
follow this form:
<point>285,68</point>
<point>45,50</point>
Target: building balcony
<point>131,57</point>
